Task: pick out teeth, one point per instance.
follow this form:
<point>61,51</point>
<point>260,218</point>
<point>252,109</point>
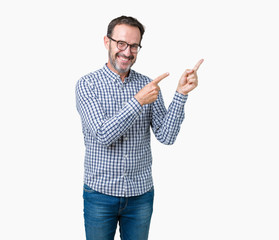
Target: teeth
<point>124,59</point>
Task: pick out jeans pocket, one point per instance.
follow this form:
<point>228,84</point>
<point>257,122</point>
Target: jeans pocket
<point>88,189</point>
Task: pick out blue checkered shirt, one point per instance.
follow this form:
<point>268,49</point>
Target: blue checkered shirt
<point>116,131</point>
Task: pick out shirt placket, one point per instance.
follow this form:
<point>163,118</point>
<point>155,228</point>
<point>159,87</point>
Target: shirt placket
<point>125,149</point>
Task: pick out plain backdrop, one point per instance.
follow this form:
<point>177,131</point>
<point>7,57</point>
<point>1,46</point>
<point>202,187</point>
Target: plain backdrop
<point>218,181</point>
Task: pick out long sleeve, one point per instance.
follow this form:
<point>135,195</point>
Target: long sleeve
<point>166,123</point>
<point>105,130</point>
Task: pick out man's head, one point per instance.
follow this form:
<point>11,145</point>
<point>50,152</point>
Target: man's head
<point>123,40</point>
<point>125,20</point>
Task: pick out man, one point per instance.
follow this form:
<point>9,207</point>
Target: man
<point>118,106</point>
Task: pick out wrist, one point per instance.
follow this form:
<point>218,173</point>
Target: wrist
<point>181,92</point>
<point>140,101</point>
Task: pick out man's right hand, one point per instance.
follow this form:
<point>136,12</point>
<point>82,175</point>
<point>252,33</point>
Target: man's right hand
<point>149,93</point>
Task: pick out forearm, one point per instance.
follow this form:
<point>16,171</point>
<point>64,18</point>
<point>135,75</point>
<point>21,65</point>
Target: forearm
<point>109,130</point>
<point>167,125</point>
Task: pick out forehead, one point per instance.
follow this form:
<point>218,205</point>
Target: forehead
<point>126,33</point>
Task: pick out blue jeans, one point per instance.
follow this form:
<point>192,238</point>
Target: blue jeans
<point>103,212</point>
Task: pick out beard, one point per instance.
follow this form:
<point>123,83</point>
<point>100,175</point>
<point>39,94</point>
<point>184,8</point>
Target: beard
<point>114,62</point>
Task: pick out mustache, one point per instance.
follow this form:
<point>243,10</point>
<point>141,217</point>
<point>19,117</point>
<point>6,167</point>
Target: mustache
<point>131,57</point>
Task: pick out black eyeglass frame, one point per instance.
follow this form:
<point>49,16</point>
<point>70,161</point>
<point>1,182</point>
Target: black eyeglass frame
<point>127,45</point>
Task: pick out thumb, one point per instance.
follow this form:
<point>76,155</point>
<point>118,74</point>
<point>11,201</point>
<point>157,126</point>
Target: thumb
<point>189,71</point>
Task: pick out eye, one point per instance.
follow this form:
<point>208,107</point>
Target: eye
<point>122,44</point>
<point>135,46</point>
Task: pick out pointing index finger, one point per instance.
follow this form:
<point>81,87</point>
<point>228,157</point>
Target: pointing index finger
<point>160,78</point>
<point>198,65</point>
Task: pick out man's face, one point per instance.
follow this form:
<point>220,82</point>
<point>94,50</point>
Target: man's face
<point>122,61</point>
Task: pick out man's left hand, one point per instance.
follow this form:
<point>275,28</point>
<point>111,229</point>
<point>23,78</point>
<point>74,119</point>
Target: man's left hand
<point>189,79</point>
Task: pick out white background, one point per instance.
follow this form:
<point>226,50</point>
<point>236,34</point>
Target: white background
<point>218,181</point>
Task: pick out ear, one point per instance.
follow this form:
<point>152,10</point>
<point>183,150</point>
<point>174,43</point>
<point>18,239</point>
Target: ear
<point>106,42</point>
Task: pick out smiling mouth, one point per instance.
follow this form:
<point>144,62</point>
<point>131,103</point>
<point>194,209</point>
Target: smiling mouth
<point>125,59</point>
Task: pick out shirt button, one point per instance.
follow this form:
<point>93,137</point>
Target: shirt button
<point>123,104</point>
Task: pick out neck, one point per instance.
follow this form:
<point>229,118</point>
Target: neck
<point>122,76</point>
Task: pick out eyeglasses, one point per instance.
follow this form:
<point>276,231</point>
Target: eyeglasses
<point>121,45</point>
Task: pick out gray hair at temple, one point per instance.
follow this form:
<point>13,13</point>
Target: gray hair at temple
<point>125,20</point>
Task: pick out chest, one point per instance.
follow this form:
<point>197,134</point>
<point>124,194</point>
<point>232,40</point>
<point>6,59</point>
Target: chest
<point>113,97</point>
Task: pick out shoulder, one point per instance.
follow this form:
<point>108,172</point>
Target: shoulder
<point>90,80</point>
<point>91,77</point>
<point>87,83</point>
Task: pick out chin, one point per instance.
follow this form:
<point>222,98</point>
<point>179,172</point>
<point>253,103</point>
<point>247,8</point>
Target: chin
<point>123,70</point>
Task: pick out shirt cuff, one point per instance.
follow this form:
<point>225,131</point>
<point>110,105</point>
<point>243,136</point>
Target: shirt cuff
<point>180,98</point>
<point>135,105</point>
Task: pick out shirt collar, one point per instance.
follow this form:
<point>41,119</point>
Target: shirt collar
<point>115,77</point>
